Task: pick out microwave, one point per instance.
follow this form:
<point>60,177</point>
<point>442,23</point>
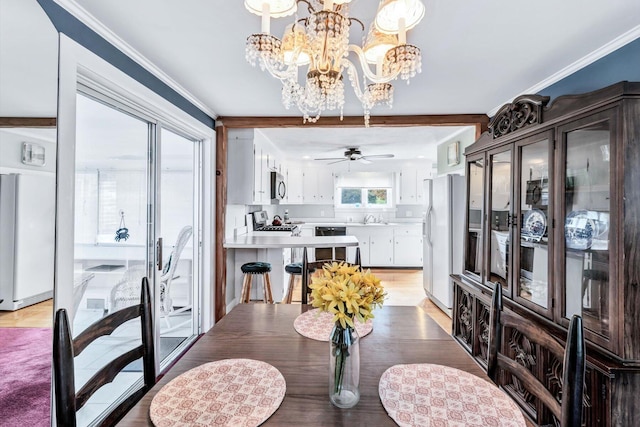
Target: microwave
<point>278,187</point>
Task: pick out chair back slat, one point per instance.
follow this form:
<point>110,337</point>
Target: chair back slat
<point>106,375</point>
<point>67,401</point>
<point>568,412</point>
<point>105,326</point>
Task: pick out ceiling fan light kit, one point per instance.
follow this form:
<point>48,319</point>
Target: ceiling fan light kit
<point>320,42</point>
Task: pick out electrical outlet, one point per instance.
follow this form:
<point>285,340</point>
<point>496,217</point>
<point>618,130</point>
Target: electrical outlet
<point>409,213</point>
<point>321,213</point>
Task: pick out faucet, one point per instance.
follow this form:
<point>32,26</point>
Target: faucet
<point>369,218</point>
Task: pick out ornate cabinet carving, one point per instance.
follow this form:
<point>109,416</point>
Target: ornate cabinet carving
<point>553,216</point>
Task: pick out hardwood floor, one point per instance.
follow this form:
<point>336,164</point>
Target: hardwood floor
<point>34,316</point>
<point>404,287</point>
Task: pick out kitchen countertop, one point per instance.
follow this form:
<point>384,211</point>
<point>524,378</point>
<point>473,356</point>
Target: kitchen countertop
<point>274,242</point>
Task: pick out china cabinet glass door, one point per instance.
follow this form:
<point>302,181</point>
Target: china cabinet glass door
<point>473,250</point>
<point>500,220</point>
<point>532,234</point>
<point>588,156</point>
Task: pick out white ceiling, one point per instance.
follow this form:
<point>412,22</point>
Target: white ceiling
<point>476,56</point>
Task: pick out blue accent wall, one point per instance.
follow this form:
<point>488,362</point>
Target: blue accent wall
<point>621,64</point>
<point>66,23</point>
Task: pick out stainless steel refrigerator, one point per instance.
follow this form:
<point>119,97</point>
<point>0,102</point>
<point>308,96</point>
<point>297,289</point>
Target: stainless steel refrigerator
<point>443,231</point>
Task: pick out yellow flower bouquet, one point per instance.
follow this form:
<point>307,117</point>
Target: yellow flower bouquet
<point>350,295</point>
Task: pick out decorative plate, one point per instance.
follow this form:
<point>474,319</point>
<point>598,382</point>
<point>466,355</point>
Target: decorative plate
<point>317,325</point>
<point>580,229</point>
<point>534,225</point>
<point>230,392</point>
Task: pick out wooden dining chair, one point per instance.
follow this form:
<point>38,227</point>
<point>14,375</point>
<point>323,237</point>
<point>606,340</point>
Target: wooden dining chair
<point>65,349</point>
<point>515,358</point>
<point>309,267</point>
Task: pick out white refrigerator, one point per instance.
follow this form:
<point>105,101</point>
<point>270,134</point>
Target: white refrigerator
<point>27,230</point>
<point>443,233</point>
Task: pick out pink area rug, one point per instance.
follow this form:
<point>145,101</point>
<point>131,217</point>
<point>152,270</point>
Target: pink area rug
<point>25,376</point>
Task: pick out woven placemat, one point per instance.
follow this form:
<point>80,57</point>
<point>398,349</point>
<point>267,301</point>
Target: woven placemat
<point>317,325</point>
<point>231,392</point>
<point>435,395</point>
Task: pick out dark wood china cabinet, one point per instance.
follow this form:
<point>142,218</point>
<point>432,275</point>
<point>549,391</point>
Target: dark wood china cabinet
<point>553,216</point>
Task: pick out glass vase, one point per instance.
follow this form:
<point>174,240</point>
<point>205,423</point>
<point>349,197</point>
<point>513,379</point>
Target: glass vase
<point>344,367</point>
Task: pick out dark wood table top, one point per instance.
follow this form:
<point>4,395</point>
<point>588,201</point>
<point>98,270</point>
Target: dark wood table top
<point>265,332</point>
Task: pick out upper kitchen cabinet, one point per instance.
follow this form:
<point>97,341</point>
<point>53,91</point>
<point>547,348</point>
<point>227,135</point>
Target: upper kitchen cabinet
<point>558,227</point>
<point>251,159</point>
<point>318,186</point>
<point>411,186</point>
<point>295,189</point>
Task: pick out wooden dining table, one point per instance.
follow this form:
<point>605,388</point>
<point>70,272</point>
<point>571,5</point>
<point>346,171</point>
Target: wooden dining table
<point>265,332</point>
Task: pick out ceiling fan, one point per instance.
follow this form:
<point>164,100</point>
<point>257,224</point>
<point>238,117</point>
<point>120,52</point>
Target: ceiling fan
<point>353,154</point>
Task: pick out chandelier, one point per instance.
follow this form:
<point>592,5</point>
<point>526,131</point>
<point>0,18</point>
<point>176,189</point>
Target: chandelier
<point>319,45</point>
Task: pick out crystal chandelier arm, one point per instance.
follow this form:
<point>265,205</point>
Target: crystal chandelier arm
<point>367,71</point>
<point>353,77</point>
<point>280,75</point>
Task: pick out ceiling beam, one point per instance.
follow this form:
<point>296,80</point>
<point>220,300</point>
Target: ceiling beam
<point>27,122</point>
<point>357,121</point>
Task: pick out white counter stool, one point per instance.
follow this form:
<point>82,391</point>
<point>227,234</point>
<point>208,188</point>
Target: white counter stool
<point>251,268</point>
<point>294,269</point>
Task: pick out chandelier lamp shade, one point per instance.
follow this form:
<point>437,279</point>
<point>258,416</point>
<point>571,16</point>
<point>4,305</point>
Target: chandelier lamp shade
<point>314,54</point>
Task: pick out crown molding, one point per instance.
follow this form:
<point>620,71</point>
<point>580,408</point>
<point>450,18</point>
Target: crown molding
<point>103,31</point>
<point>601,52</point>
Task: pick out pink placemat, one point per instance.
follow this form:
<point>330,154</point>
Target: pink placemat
<point>231,392</point>
<point>317,325</point>
<point>434,395</point>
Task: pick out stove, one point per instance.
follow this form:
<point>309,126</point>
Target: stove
<point>260,225</point>
<point>286,227</point>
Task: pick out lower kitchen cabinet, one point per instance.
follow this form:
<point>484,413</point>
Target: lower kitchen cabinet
<point>381,247</point>
<point>407,251</point>
<point>362,235</point>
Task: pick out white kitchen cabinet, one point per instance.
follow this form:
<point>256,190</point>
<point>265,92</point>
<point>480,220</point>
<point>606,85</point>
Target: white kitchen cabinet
<point>411,189</point>
<point>380,246</point>
<point>408,187</point>
<point>407,245</point>
<point>362,234</point>
<point>295,189</point>
<point>318,186</point>
<point>250,162</point>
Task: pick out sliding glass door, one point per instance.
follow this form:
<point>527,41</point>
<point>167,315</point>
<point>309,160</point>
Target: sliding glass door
<point>136,214</point>
<point>176,221</point>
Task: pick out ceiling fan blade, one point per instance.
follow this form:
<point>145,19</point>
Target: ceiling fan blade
<point>330,158</point>
<point>337,161</point>
<point>379,156</point>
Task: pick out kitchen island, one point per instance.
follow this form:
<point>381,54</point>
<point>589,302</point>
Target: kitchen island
<point>271,249</point>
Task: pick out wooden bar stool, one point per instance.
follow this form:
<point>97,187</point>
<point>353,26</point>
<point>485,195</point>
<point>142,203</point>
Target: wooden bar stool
<point>251,268</point>
<point>294,269</point>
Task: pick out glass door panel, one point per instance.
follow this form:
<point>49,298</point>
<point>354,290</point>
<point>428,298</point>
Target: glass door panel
<point>587,205</point>
<point>533,274</point>
<point>473,256</point>
<point>110,234</point>
<point>110,251</point>
<point>500,219</point>
<point>177,197</point>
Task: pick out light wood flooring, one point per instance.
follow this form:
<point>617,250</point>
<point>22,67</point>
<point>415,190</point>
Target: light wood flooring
<point>404,287</point>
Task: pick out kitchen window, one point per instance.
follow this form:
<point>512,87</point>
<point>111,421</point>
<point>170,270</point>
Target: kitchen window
<point>364,190</point>
<point>364,197</point>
